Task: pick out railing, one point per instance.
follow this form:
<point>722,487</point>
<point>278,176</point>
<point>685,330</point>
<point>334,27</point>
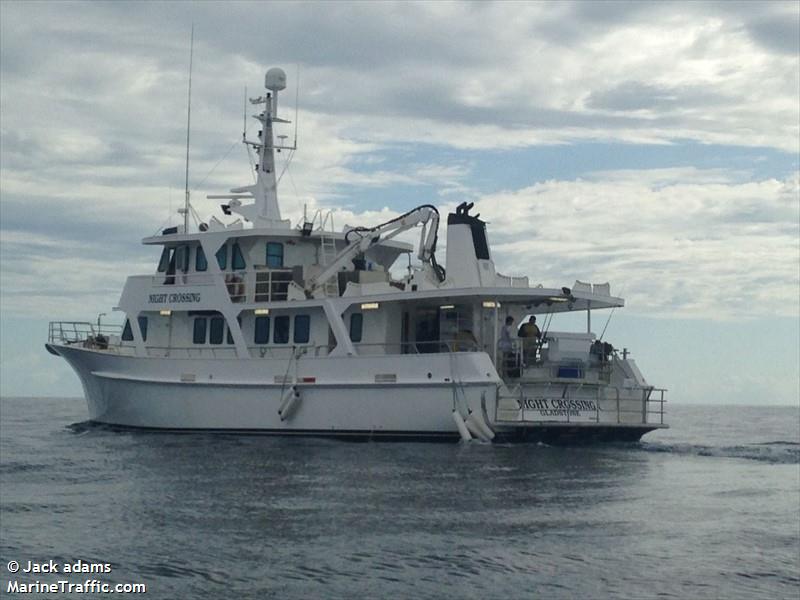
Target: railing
<point>75,332</point>
<point>509,281</point>
<point>252,286</point>
<point>620,406</point>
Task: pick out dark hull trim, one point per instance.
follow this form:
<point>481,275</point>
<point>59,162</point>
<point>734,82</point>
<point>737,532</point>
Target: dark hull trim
<point>548,435</point>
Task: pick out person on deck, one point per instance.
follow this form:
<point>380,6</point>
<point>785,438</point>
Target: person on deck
<point>531,336</point>
<point>506,346</point>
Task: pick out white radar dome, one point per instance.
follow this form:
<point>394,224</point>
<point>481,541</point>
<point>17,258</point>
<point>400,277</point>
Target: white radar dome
<point>275,79</point>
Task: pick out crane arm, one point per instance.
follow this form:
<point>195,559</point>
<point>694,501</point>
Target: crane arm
<point>360,239</point>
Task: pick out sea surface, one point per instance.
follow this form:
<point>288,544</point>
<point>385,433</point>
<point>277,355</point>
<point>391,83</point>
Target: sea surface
<point>707,509</point>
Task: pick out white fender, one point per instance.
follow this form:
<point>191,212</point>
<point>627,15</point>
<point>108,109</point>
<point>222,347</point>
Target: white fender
<point>290,401</point>
<point>462,428</point>
<point>474,428</point>
<point>481,424</point>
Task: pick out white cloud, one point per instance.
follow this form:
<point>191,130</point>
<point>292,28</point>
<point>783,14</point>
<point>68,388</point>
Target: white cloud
<point>675,242</point>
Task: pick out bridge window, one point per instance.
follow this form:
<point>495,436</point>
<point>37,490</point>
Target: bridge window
<point>199,334</point>
<point>302,329</point>
<point>222,257</point>
<point>356,326</point>
<point>143,327</point>
<point>262,330</point>
<point>163,262</point>
<point>182,258</point>
<point>274,255</point>
<point>216,330</point>
<point>237,263</point>
<point>281,335</point>
<point>200,262</point>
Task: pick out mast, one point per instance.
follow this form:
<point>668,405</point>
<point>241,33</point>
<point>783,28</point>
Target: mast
<point>264,211</point>
<point>268,208</point>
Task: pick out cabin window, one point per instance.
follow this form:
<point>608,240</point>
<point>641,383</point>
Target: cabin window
<point>222,257</point>
<point>200,262</point>
<point>228,336</point>
<point>281,330</point>
<point>127,331</point>
<point>163,262</point>
<point>216,330</point>
<point>170,278</point>
<point>274,255</point>
<point>182,258</point>
<point>356,326</point>
<point>262,330</point>
<point>302,329</point>
<point>199,334</point>
<point>143,327</point>
<point>237,262</point>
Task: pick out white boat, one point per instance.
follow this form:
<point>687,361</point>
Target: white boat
<point>258,326</point>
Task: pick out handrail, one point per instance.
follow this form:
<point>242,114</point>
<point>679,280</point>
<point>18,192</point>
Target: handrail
<point>72,332</point>
<point>650,413</point>
<point>247,285</point>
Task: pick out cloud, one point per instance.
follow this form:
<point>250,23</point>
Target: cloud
<point>674,242</point>
<point>93,132</point>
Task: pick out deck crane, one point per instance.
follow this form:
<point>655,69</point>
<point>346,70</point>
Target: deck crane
<point>360,239</point>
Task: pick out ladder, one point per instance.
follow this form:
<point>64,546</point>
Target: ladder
<point>327,251</point>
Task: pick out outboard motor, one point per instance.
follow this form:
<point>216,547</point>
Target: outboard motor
<point>469,262</point>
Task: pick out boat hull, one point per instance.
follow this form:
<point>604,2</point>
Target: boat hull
<point>346,397</point>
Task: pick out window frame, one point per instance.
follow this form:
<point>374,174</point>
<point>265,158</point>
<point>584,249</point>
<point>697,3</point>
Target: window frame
<point>356,317</point>
<point>216,330</point>
<point>164,260</point>
<point>276,328</point>
<point>222,257</point>
<point>266,331</point>
<point>279,256</point>
<point>200,259</point>
<point>307,328</point>
<point>196,330</point>
<point>237,258</point>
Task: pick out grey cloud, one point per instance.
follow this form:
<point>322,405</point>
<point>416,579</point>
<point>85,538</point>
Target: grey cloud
<point>638,95</point>
<point>779,34</point>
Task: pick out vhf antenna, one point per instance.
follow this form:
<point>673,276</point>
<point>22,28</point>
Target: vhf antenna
<point>185,209</point>
<point>296,104</point>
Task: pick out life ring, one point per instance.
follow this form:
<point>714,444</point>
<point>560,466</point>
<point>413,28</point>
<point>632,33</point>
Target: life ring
<point>235,285</point>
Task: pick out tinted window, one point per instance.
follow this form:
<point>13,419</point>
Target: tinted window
<point>199,335</point>
<point>143,327</point>
<point>356,326</point>
<point>200,262</point>
<point>164,260</point>
<point>222,257</point>
<point>183,258</point>
<point>238,260</point>
<point>281,330</point>
<point>274,255</point>
<point>302,326</point>
<point>216,330</point>
<point>262,330</point>
<point>127,333</point>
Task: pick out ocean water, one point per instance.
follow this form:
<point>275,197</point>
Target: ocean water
<point>707,509</point>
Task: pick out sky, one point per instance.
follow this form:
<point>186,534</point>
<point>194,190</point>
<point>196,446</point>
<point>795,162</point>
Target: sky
<point>655,146</point>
